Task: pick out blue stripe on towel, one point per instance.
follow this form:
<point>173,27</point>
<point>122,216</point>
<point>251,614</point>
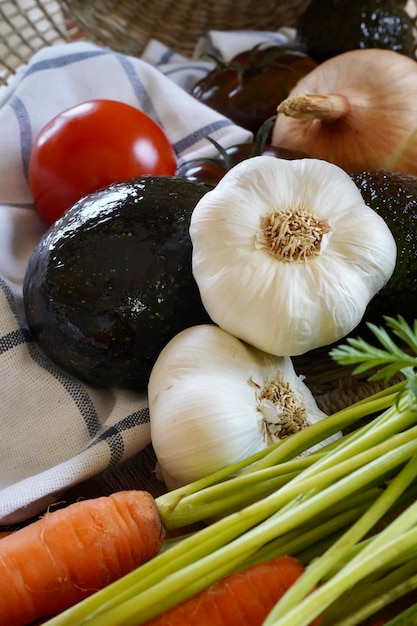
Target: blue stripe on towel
<point>137,86</point>
<point>193,138</point>
<point>25,131</point>
<point>73,387</point>
<point>113,434</point>
<point>13,339</point>
<point>64,60</point>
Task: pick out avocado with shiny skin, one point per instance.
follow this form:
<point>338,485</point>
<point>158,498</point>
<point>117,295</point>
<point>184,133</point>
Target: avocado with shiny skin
<point>393,195</point>
<point>110,283</point>
<point>330,27</point>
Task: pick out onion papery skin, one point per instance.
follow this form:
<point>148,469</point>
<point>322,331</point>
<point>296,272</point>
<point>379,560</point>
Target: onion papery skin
<point>288,308</point>
<point>378,130</point>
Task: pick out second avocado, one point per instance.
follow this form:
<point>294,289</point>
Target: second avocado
<point>331,27</point>
<point>393,195</point>
<point>111,281</point>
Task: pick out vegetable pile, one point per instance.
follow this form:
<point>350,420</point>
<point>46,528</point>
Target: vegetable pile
<point>331,510</point>
<point>316,513</point>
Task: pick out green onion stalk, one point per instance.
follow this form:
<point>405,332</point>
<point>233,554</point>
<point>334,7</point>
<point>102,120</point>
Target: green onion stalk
<point>325,507</point>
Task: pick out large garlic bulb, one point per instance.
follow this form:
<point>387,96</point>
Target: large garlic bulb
<point>287,255</point>
<point>214,400</point>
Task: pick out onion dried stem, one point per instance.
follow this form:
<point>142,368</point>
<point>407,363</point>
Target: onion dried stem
<point>309,107</point>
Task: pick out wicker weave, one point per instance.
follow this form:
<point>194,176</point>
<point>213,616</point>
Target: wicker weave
<point>128,25</point>
<point>25,27</point>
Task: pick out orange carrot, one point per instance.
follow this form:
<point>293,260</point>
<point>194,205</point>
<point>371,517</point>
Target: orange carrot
<point>243,598</point>
<point>68,554</point>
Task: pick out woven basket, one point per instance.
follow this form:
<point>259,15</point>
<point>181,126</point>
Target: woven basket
<point>25,27</point>
<point>128,25</point>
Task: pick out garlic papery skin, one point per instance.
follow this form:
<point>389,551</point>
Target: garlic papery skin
<point>214,400</point>
<point>287,255</point>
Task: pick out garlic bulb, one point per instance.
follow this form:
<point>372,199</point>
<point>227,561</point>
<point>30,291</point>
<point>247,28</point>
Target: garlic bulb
<point>287,255</point>
<point>214,400</point>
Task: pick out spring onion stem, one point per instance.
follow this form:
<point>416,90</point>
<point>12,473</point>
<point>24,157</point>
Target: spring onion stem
<point>235,537</point>
<point>327,469</point>
<point>353,573</point>
<point>369,599</point>
<point>309,536</point>
<point>296,608</point>
<point>174,588</point>
<point>388,423</point>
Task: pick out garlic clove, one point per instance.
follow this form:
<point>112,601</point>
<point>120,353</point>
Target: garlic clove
<point>214,400</point>
<point>287,255</point>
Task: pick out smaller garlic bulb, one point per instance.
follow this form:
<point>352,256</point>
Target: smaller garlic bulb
<point>214,400</point>
<point>287,255</point>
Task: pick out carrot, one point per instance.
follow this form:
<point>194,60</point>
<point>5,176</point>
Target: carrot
<point>243,598</point>
<point>66,555</point>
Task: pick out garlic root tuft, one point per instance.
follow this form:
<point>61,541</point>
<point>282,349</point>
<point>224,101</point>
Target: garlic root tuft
<point>292,236</point>
<point>283,411</point>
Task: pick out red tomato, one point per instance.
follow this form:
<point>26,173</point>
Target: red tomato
<point>92,145</point>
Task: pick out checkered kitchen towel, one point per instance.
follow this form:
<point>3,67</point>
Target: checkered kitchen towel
<point>54,430</point>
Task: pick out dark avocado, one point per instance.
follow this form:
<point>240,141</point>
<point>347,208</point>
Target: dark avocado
<point>110,283</point>
<point>330,27</point>
<point>393,195</point>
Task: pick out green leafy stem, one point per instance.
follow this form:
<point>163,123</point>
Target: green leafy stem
<point>387,361</point>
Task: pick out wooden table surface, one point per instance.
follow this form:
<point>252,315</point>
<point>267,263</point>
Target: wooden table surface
<point>137,472</point>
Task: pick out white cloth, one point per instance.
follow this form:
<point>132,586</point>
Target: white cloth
<point>56,431</point>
